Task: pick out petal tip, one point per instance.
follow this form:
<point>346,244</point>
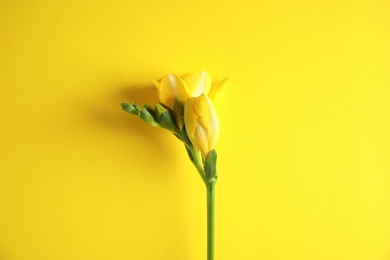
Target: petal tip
<point>156,83</point>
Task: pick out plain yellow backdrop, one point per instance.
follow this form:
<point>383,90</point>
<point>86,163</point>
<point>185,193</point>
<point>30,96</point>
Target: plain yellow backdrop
<point>304,152</point>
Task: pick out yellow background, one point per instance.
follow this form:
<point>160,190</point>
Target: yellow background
<point>304,152</point>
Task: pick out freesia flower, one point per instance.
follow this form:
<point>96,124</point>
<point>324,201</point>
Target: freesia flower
<point>188,86</point>
<point>201,123</point>
<point>186,109</point>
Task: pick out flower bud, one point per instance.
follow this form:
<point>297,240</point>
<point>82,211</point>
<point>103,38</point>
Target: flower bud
<point>202,123</point>
<point>148,117</point>
<point>147,114</point>
<point>178,112</point>
<point>164,117</point>
<point>133,109</point>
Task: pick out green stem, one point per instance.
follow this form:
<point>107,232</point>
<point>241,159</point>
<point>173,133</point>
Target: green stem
<point>196,159</point>
<point>210,218</point>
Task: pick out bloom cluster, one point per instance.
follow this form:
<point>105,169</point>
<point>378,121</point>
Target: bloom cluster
<point>186,109</point>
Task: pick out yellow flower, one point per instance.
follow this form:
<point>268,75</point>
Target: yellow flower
<point>187,86</point>
<point>201,123</point>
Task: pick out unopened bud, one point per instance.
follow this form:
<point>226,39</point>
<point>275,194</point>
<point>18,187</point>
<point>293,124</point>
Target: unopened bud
<point>148,117</point>
<point>178,112</point>
<point>131,109</point>
<point>165,117</point>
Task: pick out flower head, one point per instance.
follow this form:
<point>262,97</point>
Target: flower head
<point>201,123</point>
<point>187,86</point>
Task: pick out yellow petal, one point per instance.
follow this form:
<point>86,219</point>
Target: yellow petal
<point>156,83</point>
<point>190,117</point>
<point>202,110</point>
<point>218,89</point>
<point>208,119</point>
<point>201,140</point>
<point>201,123</point>
<point>196,133</point>
<point>198,83</point>
<point>171,86</point>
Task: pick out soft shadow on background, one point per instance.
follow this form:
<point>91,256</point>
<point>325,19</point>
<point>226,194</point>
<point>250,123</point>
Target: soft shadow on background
<point>157,146</point>
<point>107,113</point>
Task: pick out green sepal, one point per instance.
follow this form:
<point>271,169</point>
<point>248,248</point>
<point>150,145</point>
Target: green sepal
<point>210,165</point>
<point>147,113</point>
<point>151,111</point>
<point>131,109</point>
<point>137,107</point>
<point>165,117</point>
<point>178,112</point>
<point>148,117</point>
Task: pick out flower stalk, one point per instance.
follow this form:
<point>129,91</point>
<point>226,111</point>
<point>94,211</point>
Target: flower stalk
<point>210,219</point>
<point>211,175</point>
